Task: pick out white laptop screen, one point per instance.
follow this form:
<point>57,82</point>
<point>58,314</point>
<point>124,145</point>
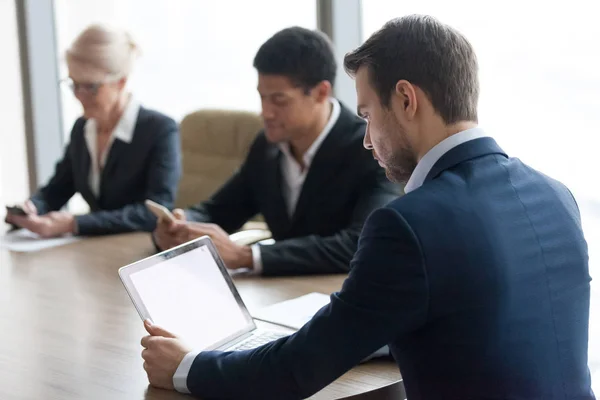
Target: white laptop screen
<point>189,296</point>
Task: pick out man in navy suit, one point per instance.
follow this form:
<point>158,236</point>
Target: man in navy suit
<point>477,278</point>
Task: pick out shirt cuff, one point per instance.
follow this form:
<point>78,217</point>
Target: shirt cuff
<point>256,260</point>
<point>182,372</point>
<point>85,224</point>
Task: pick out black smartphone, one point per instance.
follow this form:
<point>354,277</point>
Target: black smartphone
<point>15,210</point>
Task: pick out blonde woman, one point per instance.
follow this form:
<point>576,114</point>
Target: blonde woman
<point>119,154</point>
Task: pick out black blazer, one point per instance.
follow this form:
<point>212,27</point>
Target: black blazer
<point>478,281</point>
<point>343,186</point>
<point>147,168</point>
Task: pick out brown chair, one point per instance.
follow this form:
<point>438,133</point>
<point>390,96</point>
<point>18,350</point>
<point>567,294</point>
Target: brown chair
<point>214,144</point>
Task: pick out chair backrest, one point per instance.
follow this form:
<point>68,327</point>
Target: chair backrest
<point>395,391</point>
<point>214,144</point>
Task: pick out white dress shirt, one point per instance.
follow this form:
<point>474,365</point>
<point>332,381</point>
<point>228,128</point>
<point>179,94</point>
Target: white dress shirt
<point>293,177</point>
<point>123,131</point>
<point>436,152</point>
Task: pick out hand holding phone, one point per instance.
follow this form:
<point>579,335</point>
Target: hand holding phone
<point>16,210</point>
<point>160,211</point>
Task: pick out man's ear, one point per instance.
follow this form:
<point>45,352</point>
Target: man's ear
<point>322,91</point>
<point>407,96</point>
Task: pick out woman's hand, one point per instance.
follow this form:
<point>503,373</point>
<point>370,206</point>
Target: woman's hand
<point>53,224</point>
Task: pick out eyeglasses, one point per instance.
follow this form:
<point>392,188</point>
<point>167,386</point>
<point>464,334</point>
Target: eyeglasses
<point>84,88</point>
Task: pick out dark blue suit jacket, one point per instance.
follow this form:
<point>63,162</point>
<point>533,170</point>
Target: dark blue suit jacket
<point>478,281</point>
<point>147,168</point>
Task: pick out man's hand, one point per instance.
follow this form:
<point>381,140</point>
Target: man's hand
<point>169,234</point>
<point>162,354</point>
<point>50,225</point>
<point>234,255</point>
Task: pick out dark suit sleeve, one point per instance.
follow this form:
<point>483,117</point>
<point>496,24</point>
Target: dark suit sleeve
<point>161,187</point>
<point>233,204</point>
<point>385,295</point>
<point>316,254</point>
<point>61,186</point>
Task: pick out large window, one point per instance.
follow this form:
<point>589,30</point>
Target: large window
<point>540,93</point>
<point>195,53</point>
<point>14,180</point>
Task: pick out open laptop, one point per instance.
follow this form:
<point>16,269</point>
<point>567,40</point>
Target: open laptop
<point>188,291</point>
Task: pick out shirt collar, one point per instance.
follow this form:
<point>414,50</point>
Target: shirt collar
<point>432,156</point>
<point>125,128</point>
<point>312,150</point>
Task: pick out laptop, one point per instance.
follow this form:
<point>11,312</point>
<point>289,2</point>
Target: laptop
<point>188,291</point>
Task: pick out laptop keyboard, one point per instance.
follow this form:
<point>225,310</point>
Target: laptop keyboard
<point>258,340</point>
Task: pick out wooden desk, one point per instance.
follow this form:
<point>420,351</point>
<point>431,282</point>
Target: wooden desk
<point>69,331</point>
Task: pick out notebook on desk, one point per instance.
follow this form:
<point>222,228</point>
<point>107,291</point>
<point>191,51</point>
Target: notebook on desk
<point>188,291</point>
<point>294,313</point>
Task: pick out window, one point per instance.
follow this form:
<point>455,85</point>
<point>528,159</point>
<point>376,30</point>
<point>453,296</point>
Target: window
<point>195,53</point>
<point>14,179</point>
<point>540,94</point>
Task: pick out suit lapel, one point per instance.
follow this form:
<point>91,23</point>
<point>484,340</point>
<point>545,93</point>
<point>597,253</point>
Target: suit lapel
<point>114,154</point>
<point>323,167</point>
<point>84,170</point>
<point>463,152</point>
<point>274,180</point>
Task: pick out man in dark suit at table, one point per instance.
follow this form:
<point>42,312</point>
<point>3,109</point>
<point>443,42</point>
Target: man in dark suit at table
<point>477,278</point>
<point>307,173</point>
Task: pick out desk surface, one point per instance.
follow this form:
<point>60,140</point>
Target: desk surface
<point>69,331</point>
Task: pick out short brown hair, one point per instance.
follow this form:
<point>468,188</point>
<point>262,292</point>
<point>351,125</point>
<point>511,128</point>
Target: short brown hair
<point>430,55</point>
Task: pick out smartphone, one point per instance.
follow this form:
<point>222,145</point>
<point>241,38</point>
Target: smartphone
<point>160,211</point>
<point>16,210</point>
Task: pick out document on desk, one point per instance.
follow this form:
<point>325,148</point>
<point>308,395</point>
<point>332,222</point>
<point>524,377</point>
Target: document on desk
<point>294,313</point>
<point>24,241</point>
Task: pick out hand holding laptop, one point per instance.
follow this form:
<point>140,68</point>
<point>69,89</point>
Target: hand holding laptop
<point>162,354</point>
<point>168,287</point>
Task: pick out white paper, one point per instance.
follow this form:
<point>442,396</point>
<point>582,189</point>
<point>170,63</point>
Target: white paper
<point>293,313</point>
<point>25,241</point>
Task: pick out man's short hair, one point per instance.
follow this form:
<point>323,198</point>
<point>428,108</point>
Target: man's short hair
<point>428,54</point>
<point>303,55</point>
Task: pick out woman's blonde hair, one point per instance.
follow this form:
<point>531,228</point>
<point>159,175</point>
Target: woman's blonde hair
<point>102,53</point>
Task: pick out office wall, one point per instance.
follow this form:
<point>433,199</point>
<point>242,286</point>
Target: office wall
<point>14,179</point>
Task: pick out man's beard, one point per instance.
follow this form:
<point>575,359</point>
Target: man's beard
<point>401,166</point>
<point>403,160</point>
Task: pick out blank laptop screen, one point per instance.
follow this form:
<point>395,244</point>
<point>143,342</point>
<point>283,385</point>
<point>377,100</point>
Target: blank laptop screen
<point>189,296</point>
